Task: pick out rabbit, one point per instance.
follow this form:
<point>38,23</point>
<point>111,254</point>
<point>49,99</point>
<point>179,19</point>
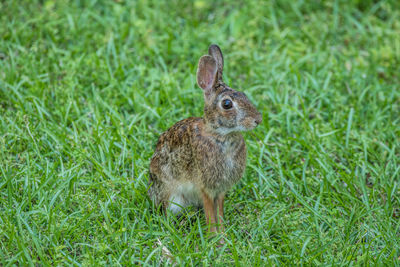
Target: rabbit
<point>198,160</point>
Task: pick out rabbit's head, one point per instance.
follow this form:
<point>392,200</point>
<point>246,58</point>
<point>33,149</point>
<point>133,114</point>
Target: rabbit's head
<point>226,110</point>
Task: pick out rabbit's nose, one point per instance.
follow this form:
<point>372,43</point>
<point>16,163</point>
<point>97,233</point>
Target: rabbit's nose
<point>258,120</point>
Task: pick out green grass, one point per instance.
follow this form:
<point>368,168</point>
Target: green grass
<point>86,88</point>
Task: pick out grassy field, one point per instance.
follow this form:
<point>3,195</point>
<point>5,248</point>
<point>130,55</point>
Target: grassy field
<point>86,88</point>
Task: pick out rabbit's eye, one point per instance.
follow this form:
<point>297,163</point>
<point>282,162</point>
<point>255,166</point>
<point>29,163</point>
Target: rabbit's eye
<point>226,104</point>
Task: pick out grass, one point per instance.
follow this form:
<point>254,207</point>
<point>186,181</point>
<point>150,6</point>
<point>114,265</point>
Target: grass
<point>86,88</point>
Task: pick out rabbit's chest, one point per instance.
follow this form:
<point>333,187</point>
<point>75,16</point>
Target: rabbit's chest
<point>233,164</point>
<point>224,165</point>
<point>229,158</point>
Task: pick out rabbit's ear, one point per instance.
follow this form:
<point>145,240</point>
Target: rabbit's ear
<point>216,53</point>
<point>207,72</point>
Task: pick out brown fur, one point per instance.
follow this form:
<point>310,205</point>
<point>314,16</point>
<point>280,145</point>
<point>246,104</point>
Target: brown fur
<point>198,160</point>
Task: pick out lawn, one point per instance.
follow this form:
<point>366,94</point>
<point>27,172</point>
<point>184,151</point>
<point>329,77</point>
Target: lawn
<point>86,88</point>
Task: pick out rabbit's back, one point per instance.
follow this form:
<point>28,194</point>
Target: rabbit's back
<point>173,157</point>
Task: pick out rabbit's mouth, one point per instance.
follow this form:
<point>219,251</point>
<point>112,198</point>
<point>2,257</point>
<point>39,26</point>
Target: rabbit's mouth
<point>243,127</point>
